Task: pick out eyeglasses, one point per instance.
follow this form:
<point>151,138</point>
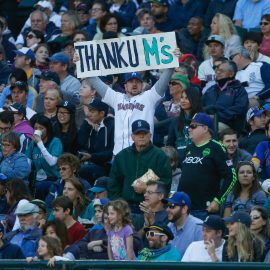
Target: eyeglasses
<point>264,23</point>
<point>63,168</point>
<point>6,145</point>
<point>174,83</point>
<point>151,192</point>
<point>30,36</point>
<point>4,129</point>
<point>194,126</point>
<point>255,217</point>
<point>232,56</point>
<point>171,206</point>
<point>152,234</point>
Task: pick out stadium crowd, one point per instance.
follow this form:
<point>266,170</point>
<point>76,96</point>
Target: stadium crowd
<point>165,165</point>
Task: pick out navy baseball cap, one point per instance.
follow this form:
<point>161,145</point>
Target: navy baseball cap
<point>214,222</point>
<point>140,125</point>
<point>160,2</point>
<point>239,216</point>
<point>255,111</point>
<point>27,52</point>
<point>204,119</point>
<point>21,85</point>
<point>18,108</point>
<point>97,104</point>
<point>67,105</point>
<point>100,185</point>
<point>162,228</point>
<point>133,75</point>
<point>179,198</point>
<point>59,57</point>
<point>49,76</point>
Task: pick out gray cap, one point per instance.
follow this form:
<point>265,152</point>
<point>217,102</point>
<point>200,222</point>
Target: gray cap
<point>26,208</point>
<point>215,38</point>
<point>240,50</point>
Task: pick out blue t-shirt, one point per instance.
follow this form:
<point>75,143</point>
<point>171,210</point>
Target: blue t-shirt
<point>262,155</point>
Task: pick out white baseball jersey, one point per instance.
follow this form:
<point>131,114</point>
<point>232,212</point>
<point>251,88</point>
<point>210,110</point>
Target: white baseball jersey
<point>127,110</point>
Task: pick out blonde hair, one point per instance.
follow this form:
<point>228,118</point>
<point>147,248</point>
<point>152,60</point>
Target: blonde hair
<point>73,19</point>
<point>243,244</point>
<point>57,92</point>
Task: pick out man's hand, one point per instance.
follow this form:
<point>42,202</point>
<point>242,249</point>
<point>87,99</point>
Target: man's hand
<point>213,207</point>
<point>211,249</point>
<point>85,156</point>
<point>149,215</point>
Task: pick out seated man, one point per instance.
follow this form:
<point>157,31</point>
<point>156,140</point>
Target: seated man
<point>158,236</point>
<point>96,140</point>
<point>227,98</point>
<point>27,236</point>
<point>210,248</point>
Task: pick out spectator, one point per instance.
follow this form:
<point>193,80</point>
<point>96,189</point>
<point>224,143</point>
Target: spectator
<point>63,210</point>
<point>228,137</point>
<point>42,57</point>
<point>83,12</point>
<point>33,39</point>
<point>185,227</point>
<point>223,26</point>
<point>265,31</point>
<point>79,36</point>
<point>66,129</point>
<point>25,59</point>
<point>7,249</point>
<point>204,166</point>
<point>256,120</point>
<point>260,225</point>
<point>42,214</point>
<point>27,236</point>
<point>120,221</point>
<point>14,164</point>
<point>226,7</point>
<point>124,11</point>
<point>146,20</point>
<point>254,74</point>
<point>215,48</point>
<point>48,80</point>
<point>160,11</point>
<point>242,245</point>
<point>44,151</point>
<point>146,156</point>
<point>70,86</point>
<point>182,10</point>
<point>191,39</point>
<point>227,98</point>
<point>178,136</point>
<point>95,139</point>
<point>210,248</point>
<point>158,236</point>
<point>252,42</point>
<point>247,13</point>
<point>246,192</point>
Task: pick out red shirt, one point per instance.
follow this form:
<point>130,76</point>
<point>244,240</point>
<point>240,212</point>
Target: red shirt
<point>265,47</point>
<point>76,232</point>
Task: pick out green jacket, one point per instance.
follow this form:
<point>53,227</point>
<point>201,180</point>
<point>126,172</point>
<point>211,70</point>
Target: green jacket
<point>129,164</point>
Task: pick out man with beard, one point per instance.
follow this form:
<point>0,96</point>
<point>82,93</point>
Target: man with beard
<point>27,236</point>
<point>158,236</point>
<point>184,226</point>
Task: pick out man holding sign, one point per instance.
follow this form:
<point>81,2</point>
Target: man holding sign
<point>134,104</point>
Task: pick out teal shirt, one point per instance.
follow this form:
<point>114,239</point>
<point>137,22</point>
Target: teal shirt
<point>55,148</point>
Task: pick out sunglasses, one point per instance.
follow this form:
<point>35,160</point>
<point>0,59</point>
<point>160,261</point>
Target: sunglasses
<point>174,83</point>
<point>30,36</point>
<point>264,23</point>
<point>152,234</point>
<point>194,126</point>
<point>171,206</point>
<point>232,56</point>
<point>255,217</point>
<point>63,168</point>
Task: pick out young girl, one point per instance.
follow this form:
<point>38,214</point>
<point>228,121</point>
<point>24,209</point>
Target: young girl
<point>120,236</point>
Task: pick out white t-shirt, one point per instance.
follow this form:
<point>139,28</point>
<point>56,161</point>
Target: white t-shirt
<point>206,71</point>
<point>197,252</point>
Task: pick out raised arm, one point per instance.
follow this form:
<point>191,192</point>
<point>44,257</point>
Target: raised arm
<point>162,84</point>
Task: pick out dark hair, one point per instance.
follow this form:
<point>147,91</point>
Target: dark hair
<point>266,125</point>
<point>103,4</point>
<point>142,12</point>
<point>255,184</point>
<point>227,131</point>
<point>60,229</point>
<point>194,98</point>
<point>42,45</point>
<point>79,32</point>
<point>161,187</point>
<point>265,232</point>
<point>38,34</point>
<point>266,17</point>
<point>200,19</point>
<point>53,246</point>
<point>19,74</point>
<point>46,122</point>
<point>12,138</point>
<point>18,190</point>
<point>69,159</point>
<point>7,117</point>
<point>63,202</point>
<point>105,19</point>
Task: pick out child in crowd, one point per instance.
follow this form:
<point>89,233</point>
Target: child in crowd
<point>120,236</point>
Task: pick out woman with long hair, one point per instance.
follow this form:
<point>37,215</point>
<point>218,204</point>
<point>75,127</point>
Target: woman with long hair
<point>222,25</point>
<point>260,224</point>
<point>44,151</point>
<point>242,245</point>
<point>178,137</point>
<point>247,191</point>
<point>265,30</point>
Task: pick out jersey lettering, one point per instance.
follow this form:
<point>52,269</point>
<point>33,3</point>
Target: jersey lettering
<point>130,106</point>
<point>193,160</point>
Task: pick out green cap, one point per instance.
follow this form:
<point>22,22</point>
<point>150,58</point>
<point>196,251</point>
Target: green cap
<point>182,79</point>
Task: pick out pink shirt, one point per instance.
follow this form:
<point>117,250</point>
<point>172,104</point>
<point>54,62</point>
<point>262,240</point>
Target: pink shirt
<point>265,47</point>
